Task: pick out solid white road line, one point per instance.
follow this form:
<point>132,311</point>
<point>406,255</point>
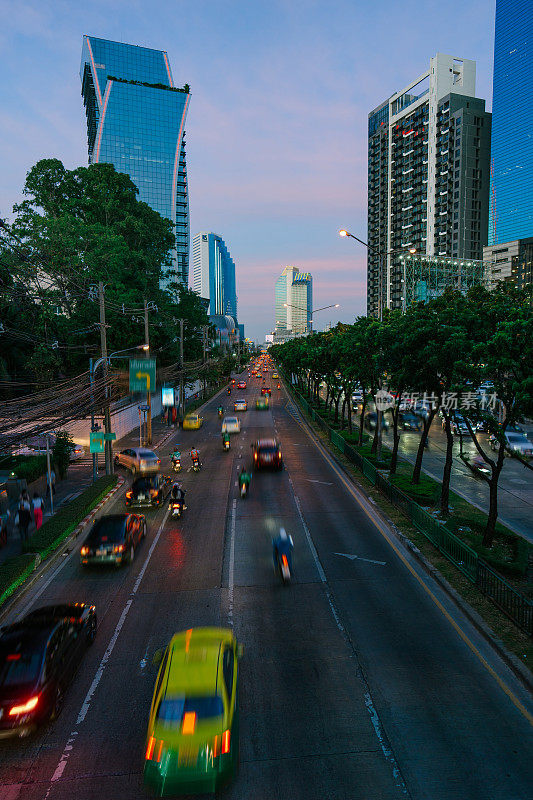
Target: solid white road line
<point>103,663</point>
<point>231,571</point>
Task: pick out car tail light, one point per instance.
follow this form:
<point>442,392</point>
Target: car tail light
<point>119,548</point>
<point>30,705</point>
<point>255,456</point>
<point>153,492</point>
<point>189,723</point>
<point>159,751</point>
<point>216,747</point>
<point>84,551</point>
<point>129,495</point>
<point>13,657</point>
<point>158,460</point>
<point>154,749</point>
<point>150,748</point>
<point>226,737</point>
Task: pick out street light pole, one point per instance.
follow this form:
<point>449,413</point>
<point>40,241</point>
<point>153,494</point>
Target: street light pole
<point>107,413</point>
<point>148,388</point>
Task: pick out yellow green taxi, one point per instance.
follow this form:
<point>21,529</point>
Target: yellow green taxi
<point>192,422</point>
<point>192,742</point>
<point>261,403</point>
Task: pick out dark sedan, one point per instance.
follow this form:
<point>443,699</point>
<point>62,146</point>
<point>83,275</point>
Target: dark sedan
<point>39,656</point>
<point>408,421</point>
<point>113,539</point>
<point>267,454</point>
<point>151,491</point>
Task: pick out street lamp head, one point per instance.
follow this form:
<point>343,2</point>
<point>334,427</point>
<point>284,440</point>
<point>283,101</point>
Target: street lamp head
<point>336,305</point>
<point>143,347</point>
<point>412,250</point>
<point>343,233</point>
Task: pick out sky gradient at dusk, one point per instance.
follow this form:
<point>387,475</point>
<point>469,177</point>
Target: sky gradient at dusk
<point>277,126</point>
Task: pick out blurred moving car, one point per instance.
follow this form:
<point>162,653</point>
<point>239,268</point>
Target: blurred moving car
<point>149,490</point>
<point>192,422</point>
<point>241,385</point>
<point>371,421</point>
<point>408,421</point>
<point>138,460</point>
<point>39,656</point>
<point>515,443</point>
<point>36,446</point>
<point>192,742</point>
<point>266,390</point>
<point>267,453</point>
<point>231,425</point>
<point>457,424</point>
<point>113,539</point>
<point>262,403</point>
<point>275,376</point>
<point>240,405</point>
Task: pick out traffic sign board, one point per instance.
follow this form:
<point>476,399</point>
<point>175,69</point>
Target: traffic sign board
<point>142,374</point>
<point>96,442</point>
<point>144,408</point>
<point>110,437</point>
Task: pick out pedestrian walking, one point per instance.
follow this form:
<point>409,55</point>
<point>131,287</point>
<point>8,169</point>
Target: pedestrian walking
<point>24,516</point>
<point>51,482</point>
<point>38,505</point>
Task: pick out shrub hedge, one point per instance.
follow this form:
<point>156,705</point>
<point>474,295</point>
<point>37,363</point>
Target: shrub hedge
<point>13,572</point>
<point>29,467</point>
<point>61,525</point>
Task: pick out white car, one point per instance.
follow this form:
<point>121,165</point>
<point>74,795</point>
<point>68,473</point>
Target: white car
<point>516,443</point>
<point>240,405</point>
<point>231,425</point>
<point>138,460</point>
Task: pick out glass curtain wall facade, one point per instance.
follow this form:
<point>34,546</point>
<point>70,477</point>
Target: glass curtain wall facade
<point>293,301</point>
<point>511,206</point>
<point>135,121</point>
<point>214,273</point>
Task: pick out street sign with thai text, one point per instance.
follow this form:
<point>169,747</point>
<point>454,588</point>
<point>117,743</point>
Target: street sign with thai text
<point>142,374</point>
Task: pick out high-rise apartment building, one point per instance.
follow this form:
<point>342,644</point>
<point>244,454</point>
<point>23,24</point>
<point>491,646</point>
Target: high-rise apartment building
<point>293,301</point>
<point>511,204</point>
<point>428,175</point>
<point>213,273</point>
<point>135,121</point>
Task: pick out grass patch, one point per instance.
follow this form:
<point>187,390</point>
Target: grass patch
<point>13,572</point>
<point>61,525</point>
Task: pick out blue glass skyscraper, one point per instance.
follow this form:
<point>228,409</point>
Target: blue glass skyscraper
<point>214,273</point>
<point>511,206</point>
<point>135,121</point>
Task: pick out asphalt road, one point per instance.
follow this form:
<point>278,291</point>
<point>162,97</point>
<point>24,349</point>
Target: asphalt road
<point>360,680</point>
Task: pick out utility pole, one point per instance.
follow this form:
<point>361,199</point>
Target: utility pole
<point>93,428</point>
<point>148,395</point>
<point>204,353</point>
<point>107,414</point>
<point>182,403</point>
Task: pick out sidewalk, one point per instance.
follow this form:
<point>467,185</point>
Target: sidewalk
<point>79,477</point>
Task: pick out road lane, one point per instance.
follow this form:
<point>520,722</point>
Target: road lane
<point>348,710</point>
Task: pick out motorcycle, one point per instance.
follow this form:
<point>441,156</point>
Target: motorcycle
<point>176,507</point>
<point>176,464</point>
<point>225,445</point>
<point>283,568</point>
<point>279,385</point>
<point>229,389</point>
<point>220,412</point>
<point>196,465</point>
<point>244,489</point>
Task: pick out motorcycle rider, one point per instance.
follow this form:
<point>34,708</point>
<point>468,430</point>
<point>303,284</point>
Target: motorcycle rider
<point>177,493</point>
<point>225,438</point>
<point>195,456</point>
<point>282,545</point>
<point>176,456</point>
<point>220,410</point>
<point>244,477</point>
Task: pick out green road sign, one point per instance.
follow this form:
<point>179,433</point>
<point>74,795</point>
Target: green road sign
<point>110,437</point>
<point>96,442</point>
<point>142,374</point>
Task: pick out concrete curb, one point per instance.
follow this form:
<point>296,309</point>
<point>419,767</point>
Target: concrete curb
<point>43,567</point>
<point>520,670</point>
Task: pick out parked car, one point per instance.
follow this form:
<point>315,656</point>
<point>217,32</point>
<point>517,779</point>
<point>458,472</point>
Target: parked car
<point>39,656</point>
<point>231,425</point>
<point>267,453</point>
<point>457,424</point>
<point>515,443</point>
<point>149,490</point>
<point>138,460</point>
<point>113,539</point>
<point>36,446</point>
<point>371,421</point>
<point>408,421</point>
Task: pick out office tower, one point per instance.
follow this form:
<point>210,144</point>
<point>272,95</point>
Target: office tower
<point>428,175</point>
<point>135,121</point>
<point>213,273</point>
<point>511,203</point>
<point>511,262</point>
<point>293,302</point>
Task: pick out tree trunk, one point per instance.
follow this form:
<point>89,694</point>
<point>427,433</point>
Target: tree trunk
<point>446,475</point>
<point>343,411</point>
<point>350,415</point>
<point>327,397</point>
<point>337,401</point>
<point>488,534</point>
<point>395,439</point>
<point>420,453</point>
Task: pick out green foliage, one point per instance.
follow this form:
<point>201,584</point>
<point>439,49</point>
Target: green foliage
<point>28,467</point>
<point>186,88</point>
<point>60,526</point>
<point>13,572</point>
<point>61,452</point>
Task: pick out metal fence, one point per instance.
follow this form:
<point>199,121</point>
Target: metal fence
<point>514,604</point>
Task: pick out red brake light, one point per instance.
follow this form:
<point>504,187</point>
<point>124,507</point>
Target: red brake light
<point>159,751</point>
<point>284,560</point>
<point>25,708</point>
<point>129,494</point>
<point>216,750</point>
<point>119,548</point>
<point>226,736</point>
<point>13,657</point>
<point>158,460</point>
<point>150,748</point>
<point>84,551</point>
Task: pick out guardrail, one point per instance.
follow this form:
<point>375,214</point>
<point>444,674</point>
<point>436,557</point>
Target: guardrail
<point>490,583</point>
